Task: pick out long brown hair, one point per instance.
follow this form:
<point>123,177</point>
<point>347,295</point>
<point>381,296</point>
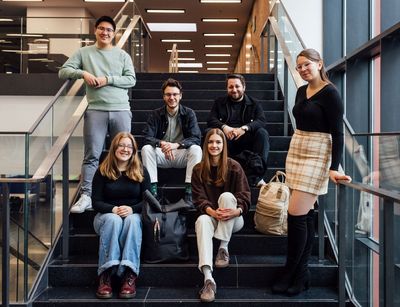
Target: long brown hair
<point>109,167</point>
<point>314,56</point>
<point>205,165</point>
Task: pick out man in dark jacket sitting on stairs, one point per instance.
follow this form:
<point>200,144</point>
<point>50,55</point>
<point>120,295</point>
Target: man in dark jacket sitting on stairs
<point>242,119</point>
<point>172,137</point>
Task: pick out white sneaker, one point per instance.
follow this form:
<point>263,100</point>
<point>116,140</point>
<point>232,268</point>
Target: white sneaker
<point>84,203</point>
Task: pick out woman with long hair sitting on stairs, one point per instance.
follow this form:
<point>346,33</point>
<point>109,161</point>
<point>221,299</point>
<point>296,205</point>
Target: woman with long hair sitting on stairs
<point>313,157</point>
<point>221,195</point>
<point>118,186</point>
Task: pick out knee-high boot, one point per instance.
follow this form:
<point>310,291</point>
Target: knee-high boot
<point>296,241</point>
<point>301,277</point>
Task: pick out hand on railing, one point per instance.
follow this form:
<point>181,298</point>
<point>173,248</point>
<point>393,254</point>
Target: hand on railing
<point>335,176</point>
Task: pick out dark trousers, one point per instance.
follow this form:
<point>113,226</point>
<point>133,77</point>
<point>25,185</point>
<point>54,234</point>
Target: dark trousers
<point>256,141</point>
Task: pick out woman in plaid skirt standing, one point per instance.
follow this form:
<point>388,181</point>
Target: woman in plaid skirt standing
<point>313,157</point>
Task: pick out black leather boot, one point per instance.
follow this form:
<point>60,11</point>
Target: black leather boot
<point>296,241</point>
<point>301,279</point>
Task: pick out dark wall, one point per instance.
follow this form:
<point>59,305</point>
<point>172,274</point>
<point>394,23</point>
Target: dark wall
<point>30,84</point>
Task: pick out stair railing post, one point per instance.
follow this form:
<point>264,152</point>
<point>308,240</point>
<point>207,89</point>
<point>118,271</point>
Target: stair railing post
<point>65,198</point>
<point>342,222</point>
<point>387,253</point>
<point>321,218</point>
<point>276,69</point>
<point>285,99</point>
<point>5,295</point>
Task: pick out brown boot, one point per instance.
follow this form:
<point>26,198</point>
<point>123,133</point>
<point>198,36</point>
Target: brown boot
<point>104,290</point>
<point>128,287</point>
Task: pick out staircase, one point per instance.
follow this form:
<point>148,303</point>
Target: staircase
<point>255,258</point>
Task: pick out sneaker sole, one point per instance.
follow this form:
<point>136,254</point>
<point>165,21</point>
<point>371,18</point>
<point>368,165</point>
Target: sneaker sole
<point>127,295</point>
<point>104,296</point>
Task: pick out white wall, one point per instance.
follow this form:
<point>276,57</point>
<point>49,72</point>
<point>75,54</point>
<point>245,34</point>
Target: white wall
<point>307,18</point>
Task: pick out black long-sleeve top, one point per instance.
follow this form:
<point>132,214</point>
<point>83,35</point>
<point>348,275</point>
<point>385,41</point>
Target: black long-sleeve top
<point>251,113</point>
<point>322,112</point>
<point>108,193</point>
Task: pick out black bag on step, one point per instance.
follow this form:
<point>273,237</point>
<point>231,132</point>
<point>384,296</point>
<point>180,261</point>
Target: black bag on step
<point>164,230</point>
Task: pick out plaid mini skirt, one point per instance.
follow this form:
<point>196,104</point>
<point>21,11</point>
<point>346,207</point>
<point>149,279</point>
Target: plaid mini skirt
<point>308,162</point>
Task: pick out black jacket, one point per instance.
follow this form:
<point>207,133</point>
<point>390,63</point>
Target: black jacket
<point>157,125</point>
<point>252,114</point>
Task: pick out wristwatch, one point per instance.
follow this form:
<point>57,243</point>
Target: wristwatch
<point>245,128</point>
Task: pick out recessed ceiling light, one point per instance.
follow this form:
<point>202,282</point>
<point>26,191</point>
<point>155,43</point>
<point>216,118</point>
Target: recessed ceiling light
<point>219,34</point>
<point>153,11</point>
<point>218,62</point>
<point>186,59</point>
<point>24,35</point>
<point>176,40</point>
<point>220,19</point>
<point>3,41</point>
<point>190,65</point>
<point>182,50</point>
<point>220,1</point>
<point>23,0</point>
<point>218,46</point>
<point>217,68</point>
<point>6,19</point>
<point>104,0</point>
<point>218,54</point>
<point>172,27</point>
<point>189,71</point>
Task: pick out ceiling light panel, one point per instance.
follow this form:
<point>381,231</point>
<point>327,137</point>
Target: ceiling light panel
<point>218,62</point>
<point>172,27</point>
<point>22,0</point>
<point>182,50</point>
<point>190,65</point>
<point>220,1</point>
<point>154,11</point>
<point>176,40</point>
<point>218,46</point>
<point>186,59</point>
<point>217,68</point>
<point>104,0</point>
<point>219,34</point>
<point>220,19</point>
<point>218,54</point>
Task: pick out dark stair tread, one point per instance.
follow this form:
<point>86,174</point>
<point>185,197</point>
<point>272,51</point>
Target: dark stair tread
<point>236,260</point>
<point>70,296</point>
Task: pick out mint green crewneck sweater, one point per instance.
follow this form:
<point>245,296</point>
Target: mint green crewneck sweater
<point>113,63</point>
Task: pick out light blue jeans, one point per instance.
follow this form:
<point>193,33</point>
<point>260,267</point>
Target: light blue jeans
<point>120,241</point>
<point>96,126</point>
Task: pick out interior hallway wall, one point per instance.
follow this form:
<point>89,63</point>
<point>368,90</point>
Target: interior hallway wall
<point>307,18</point>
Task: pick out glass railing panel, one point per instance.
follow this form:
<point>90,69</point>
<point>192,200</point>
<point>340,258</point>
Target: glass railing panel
<point>12,154</point>
<point>292,40</point>
<point>396,234</point>
<point>42,44</point>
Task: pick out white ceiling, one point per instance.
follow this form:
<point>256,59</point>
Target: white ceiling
<point>194,12</point>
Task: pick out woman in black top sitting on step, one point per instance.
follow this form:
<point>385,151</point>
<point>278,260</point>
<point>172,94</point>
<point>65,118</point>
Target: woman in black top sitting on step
<point>314,156</point>
<point>118,186</point>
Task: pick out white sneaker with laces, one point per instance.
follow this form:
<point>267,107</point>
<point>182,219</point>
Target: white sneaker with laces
<point>84,203</point>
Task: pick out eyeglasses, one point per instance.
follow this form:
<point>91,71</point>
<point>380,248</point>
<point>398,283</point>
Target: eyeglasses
<point>171,94</point>
<point>123,146</point>
<point>108,30</point>
<point>303,66</point>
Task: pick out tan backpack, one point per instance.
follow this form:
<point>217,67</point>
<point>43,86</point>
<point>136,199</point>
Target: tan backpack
<point>272,205</point>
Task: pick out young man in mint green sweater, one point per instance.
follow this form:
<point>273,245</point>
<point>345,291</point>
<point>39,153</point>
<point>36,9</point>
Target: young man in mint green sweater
<point>108,74</point>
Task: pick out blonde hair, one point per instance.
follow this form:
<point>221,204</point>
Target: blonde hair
<point>205,165</point>
<point>109,167</point>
